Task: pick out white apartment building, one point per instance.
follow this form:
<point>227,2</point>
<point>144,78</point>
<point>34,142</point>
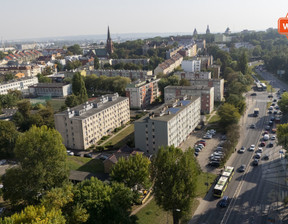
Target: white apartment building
<point>191,65</point>
<point>132,74</point>
<point>169,125</point>
<point>17,84</point>
<point>84,125</point>
<point>193,75</point>
<point>51,89</point>
<point>142,94</point>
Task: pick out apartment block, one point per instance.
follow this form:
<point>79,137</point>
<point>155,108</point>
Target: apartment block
<point>191,65</point>
<point>169,65</point>
<point>142,93</point>
<point>51,89</point>
<point>189,50</point>
<point>21,84</point>
<point>170,124</point>
<point>206,93</point>
<point>193,75</point>
<point>218,85</point>
<point>137,61</point>
<point>85,124</point>
<point>132,74</point>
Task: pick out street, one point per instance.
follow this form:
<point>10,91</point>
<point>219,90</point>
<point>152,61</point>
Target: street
<point>257,193</point>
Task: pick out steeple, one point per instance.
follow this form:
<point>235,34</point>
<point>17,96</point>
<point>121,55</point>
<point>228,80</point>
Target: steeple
<point>195,32</point>
<point>207,30</point>
<point>109,44</point>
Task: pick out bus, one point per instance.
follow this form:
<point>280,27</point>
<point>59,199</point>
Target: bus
<point>228,172</point>
<point>264,87</point>
<point>220,187</point>
<point>259,87</point>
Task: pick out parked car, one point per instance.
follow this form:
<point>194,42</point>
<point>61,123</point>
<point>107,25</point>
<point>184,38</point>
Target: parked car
<point>270,145</point>
<point>207,136</point>
<point>259,150</point>
<point>214,163</point>
<point>242,168</point>
<point>267,127</point>
<point>256,162</point>
<point>224,202</point>
<point>77,154</point>
<point>196,153</point>
<point>266,157</point>
<point>3,161</point>
<point>257,156</point>
<point>88,155</point>
<point>262,144</point>
<point>273,137</point>
<point>242,149</point>
<point>252,148</point>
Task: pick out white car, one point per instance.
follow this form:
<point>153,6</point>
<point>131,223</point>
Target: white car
<point>259,150</point>
<point>273,137</point>
<point>252,148</point>
<point>207,136</point>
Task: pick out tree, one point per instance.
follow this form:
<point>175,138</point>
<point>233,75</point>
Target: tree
<point>96,63</point>
<point>132,171</point>
<point>228,114</point>
<point>2,55</point>
<point>59,66</point>
<point>242,63</point>
<point>175,176</point>
<point>75,49</point>
<point>184,82</point>
<point>282,135</point>
<point>71,101</point>
<point>42,165</point>
<point>283,103</point>
<point>43,79</point>
<point>238,101</point>
<point>35,214</point>
<point>104,203</point>
<point>78,88</point>
<point>8,136</point>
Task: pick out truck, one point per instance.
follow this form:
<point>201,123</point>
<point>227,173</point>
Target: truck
<point>256,112</point>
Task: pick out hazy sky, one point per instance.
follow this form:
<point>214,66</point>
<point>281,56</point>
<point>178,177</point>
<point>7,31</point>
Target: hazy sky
<point>50,18</point>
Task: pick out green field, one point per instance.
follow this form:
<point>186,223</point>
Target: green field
<point>122,137</point>
<point>85,164</point>
<point>153,214</point>
<point>57,103</point>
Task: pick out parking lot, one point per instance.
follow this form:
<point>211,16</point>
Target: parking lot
<point>203,157</point>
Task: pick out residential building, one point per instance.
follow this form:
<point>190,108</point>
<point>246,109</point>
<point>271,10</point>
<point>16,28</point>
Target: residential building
<point>142,94</point>
<point>218,85</point>
<point>21,84</point>
<point>25,46</point>
<point>51,89</point>
<point>206,61</point>
<point>201,44</point>
<point>132,74</point>
<point>170,124</point>
<point>27,70</point>
<point>206,93</point>
<point>191,65</point>
<point>189,50</point>
<point>221,38</point>
<point>124,152</point>
<point>85,124</point>
<point>244,45</point>
<point>169,65</point>
<point>171,52</point>
<point>137,61</point>
<point>215,71</point>
<point>193,75</point>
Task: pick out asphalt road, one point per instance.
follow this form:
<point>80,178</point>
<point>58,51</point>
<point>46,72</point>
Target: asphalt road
<point>255,194</point>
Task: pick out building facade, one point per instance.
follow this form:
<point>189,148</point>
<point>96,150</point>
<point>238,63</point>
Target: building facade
<point>193,75</point>
<point>169,65</point>
<point>218,85</point>
<point>132,74</point>
<point>137,61</point>
<point>191,65</point>
<point>17,84</point>
<point>206,94</point>
<point>169,125</point>
<point>51,89</point>
<point>84,125</point>
<point>142,94</point>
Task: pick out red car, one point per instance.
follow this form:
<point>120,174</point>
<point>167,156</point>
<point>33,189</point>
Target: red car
<point>265,133</point>
<point>262,144</point>
<point>199,142</point>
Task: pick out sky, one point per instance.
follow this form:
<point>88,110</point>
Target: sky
<point>23,19</point>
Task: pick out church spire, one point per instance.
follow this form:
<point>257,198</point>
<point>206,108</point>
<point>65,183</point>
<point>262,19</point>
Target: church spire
<point>207,30</point>
<point>109,45</point>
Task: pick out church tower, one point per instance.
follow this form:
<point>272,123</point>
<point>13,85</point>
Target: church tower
<point>109,45</point>
<point>207,30</point>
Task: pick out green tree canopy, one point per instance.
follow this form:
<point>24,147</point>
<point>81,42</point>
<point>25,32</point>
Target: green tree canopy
<point>8,136</point>
<point>242,63</point>
<point>132,171</point>
<point>42,165</point>
<point>283,103</point>
<point>175,176</point>
<point>35,215</point>
<point>104,203</point>
<point>228,114</point>
<point>71,101</point>
<point>78,88</point>
<point>282,135</point>
<point>75,49</point>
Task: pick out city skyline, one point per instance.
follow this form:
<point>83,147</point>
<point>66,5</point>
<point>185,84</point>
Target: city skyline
<point>33,19</point>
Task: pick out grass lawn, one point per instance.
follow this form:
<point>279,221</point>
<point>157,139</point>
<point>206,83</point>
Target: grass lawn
<point>153,214</point>
<point>122,137</point>
<point>57,103</point>
<point>214,119</point>
<point>85,164</point>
